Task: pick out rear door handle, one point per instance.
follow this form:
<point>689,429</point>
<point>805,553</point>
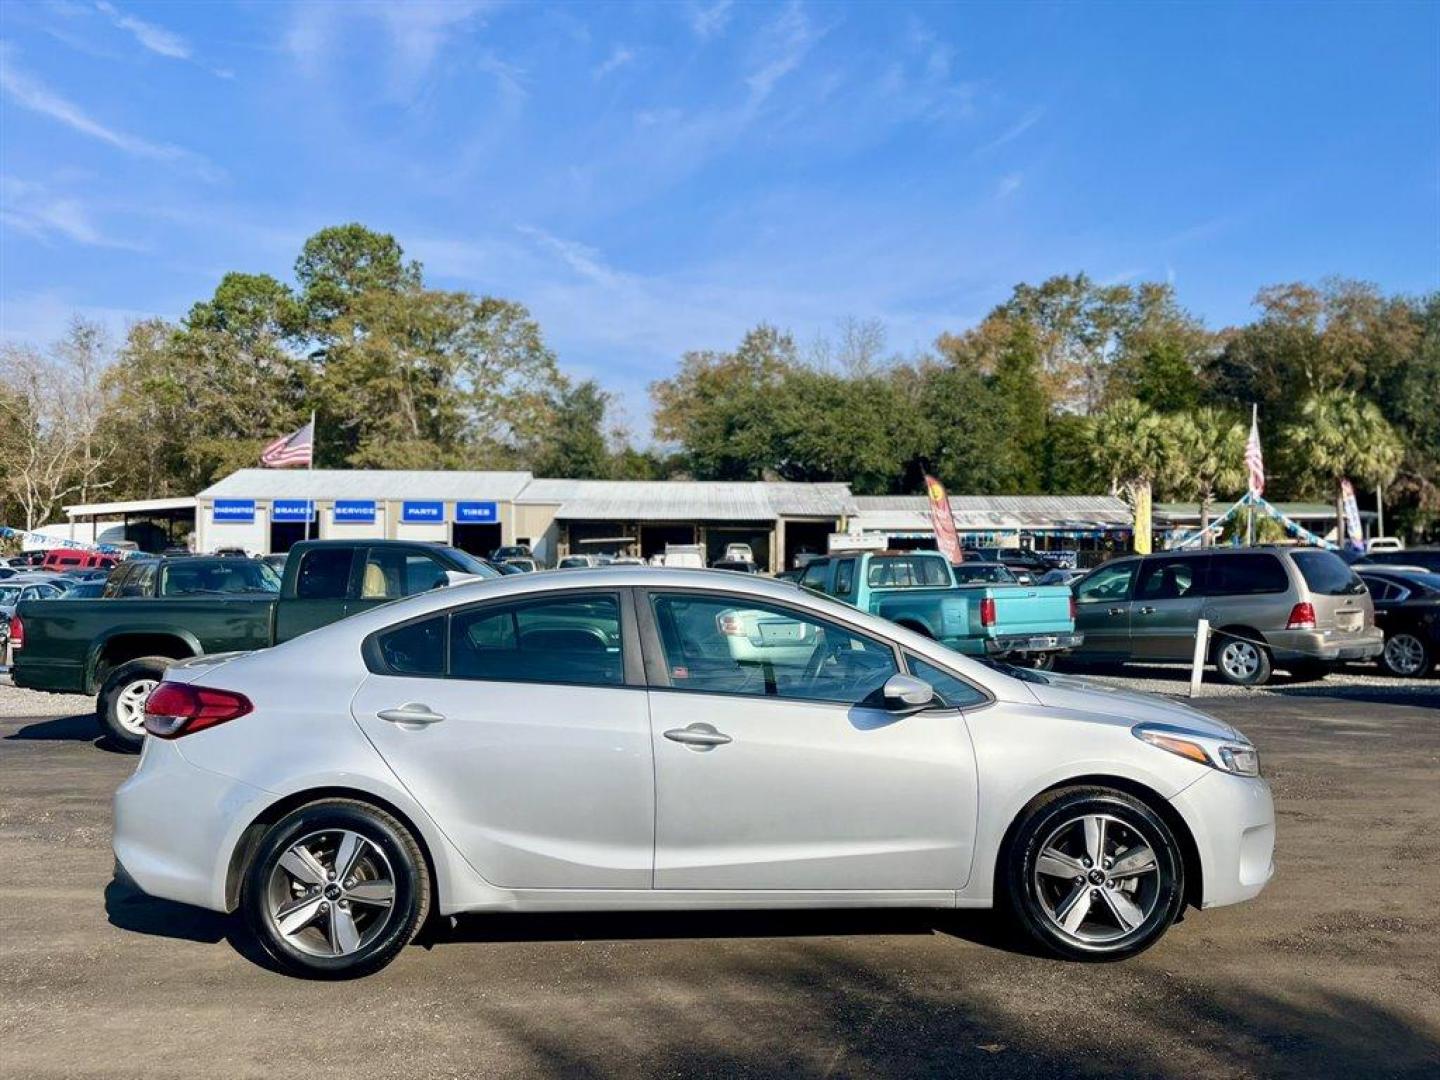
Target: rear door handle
<point>1147,611</point>
<point>412,712</point>
<point>699,736</point>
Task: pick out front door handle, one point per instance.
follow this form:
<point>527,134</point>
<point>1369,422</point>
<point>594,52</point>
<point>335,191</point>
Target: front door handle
<point>1147,611</point>
<point>698,736</point>
<point>1117,611</point>
<point>412,712</point>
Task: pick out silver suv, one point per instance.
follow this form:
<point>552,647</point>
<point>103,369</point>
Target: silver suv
<point>1301,609</point>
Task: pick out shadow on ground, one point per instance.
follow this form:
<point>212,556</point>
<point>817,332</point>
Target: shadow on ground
<point>82,727</point>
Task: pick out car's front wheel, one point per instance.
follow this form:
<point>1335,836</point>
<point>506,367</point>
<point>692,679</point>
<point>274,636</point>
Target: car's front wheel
<point>1093,874</point>
<point>336,889</point>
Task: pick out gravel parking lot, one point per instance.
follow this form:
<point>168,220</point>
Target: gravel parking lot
<point>1333,971</point>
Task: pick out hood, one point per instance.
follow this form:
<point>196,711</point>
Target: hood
<point>1125,706</point>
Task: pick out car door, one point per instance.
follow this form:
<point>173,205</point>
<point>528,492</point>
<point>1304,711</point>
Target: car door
<point>521,725</point>
<point>322,585</point>
<point>775,766</point>
<point>1102,610</point>
<point>1169,596</point>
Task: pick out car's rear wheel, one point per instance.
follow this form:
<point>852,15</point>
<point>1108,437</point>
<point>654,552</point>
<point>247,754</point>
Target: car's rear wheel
<point>1240,661</point>
<point>1405,655</point>
<point>1093,874</point>
<point>336,889</point>
<point>120,705</point>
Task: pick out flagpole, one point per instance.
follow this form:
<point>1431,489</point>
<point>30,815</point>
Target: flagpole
<point>310,509</point>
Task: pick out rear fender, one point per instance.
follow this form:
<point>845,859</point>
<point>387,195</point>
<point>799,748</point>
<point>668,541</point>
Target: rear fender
<point>184,640</point>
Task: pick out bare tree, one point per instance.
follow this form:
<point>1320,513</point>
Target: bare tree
<point>50,412</point>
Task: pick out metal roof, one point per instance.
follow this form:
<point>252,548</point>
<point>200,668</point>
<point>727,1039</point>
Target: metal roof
<point>367,484</point>
<point>1189,511</point>
<point>130,506</point>
<point>911,513</point>
<point>688,500</point>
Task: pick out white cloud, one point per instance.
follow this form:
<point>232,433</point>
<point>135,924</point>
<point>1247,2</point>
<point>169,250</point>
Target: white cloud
<point>155,38</point>
<point>708,21</point>
<point>31,94</point>
<point>619,57</point>
<point>1009,185</point>
<point>33,209</point>
<point>1032,117</point>
<point>781,48</point>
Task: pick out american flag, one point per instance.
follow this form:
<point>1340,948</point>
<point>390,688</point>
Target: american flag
<point>288,450</point>
<point>1254,459</point>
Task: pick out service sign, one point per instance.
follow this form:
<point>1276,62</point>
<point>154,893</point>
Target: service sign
<point>355,512</point>
<point>477,513</point>
<point>422,513</point>
<point>233,511</point>
<point>292,510</point>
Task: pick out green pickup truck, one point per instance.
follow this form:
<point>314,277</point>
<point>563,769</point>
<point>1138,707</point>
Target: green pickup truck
<point>1027,624</point>
<point>158,610</point>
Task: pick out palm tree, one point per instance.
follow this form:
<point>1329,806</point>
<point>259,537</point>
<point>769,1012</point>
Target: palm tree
<point>1340,435</point>
<point>1209,449</point>
<point>1135,447</point>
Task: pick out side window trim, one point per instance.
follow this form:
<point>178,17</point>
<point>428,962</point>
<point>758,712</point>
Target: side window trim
<point>658,676</point>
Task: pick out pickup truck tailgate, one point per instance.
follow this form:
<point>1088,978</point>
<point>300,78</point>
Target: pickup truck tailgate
<point>1022,609</point>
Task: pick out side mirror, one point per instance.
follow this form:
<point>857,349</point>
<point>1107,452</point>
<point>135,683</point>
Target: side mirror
<point>907,694</point>
<point>456,577</point>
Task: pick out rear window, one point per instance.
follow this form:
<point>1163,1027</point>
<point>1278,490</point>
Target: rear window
<point>907,572</point>
<point>1327,574</point>
<point>1246,575</point>
<point>222,577</point>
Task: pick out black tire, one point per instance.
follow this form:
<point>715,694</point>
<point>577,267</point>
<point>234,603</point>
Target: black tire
<point>1256,668</point>
<point>1308,670</point>
<point>1036,900</point>
<point>111,704</point>
<point>1036,661</point>
<point>402,919</point>
<point>1406,655</point>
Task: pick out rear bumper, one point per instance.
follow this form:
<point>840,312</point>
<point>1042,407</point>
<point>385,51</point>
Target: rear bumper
<point>174,823</point>
<point>1025,643</point>
<point>1232,820</point>
<point>57,676</point>
<point>1327,645</point>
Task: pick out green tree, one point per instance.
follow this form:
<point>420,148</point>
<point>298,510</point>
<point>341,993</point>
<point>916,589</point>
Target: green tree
<point>1209,457</point>
<point>343,262</point>
<point>1135,448</point>
<point>1339,435</point>
<point>575,444</point>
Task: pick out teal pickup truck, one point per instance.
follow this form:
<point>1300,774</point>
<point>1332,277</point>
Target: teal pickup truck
<point>157,610</point>
<point>1026,624</point>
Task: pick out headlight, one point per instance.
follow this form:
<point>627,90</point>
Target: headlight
<point>1239,759</point>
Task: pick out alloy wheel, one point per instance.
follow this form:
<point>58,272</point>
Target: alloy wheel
<point>1404,654</point>
<point>130,705</point>
<point>1097,879</point>
<point>331,893</point>
<point>1240,659</point>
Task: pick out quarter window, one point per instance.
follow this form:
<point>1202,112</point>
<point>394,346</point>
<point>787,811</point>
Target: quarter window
<point>573,639</point>
<point>815,575</point>
<point>845,577</point>
<point>720,645</point>
<point>416,648</point>
<point>950,689</point>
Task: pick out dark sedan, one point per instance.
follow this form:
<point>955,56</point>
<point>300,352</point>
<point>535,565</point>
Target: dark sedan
<point>1407,608</point>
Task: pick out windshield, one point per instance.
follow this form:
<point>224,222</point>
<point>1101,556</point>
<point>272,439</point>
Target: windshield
<point>9,594</point>
<point>991,575</point>
<point>472,565</point>
<point>218,577</point>
<point>1327,574</point>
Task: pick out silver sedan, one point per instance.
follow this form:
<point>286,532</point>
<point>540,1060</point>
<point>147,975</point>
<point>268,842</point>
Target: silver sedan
<point>644,739</point>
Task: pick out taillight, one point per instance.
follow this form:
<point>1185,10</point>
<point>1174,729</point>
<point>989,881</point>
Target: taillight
<point>730,624</point>
<point>987,611</point>
<point>17,632</point>
<point>1302,617</point>
<point>175,709</point>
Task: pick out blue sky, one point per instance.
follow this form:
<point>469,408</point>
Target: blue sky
<point>652,178</point>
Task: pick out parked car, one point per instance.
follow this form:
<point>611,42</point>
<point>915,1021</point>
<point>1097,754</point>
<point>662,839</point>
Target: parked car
<point>276,561</point>
<point>27,559</point>
<point>8,572</point>
<point>739,553</point>
<point>983,573</point>
<point>741,566</point>
<point>89,589</point>
<point>155,611</point>
<point>523,563</point>
<point>1027,563</point>
<point>1060,576</point>
<point>1384,543</point>
<point>627,560</point>
<point>577,562</point>
<point>1428,557</point>
<point>917,589</point>
<point>1407,610</point>
<point>28,586</point>
<point>685,555</point>
<point>1301,609</point>
<point>59,559</point>
<point>511,551</point>
<point>337,788</point>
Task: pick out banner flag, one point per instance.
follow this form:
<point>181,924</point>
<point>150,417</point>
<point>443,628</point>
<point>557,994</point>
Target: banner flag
<point>946,539</point>
<point>1142,541</point>
<point>1356,533</point>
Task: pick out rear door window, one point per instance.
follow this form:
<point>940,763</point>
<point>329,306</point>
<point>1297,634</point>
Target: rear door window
<point>1246,575</point>
<point>573,640</point>
<point>1171,579</point>
<point>1327,574</point>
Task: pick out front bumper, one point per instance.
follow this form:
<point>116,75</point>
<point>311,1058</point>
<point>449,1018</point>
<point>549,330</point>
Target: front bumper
<point>1025,643</point>
<point>175,824</point>
<point>1327,645</point>
<point>1232,820</point>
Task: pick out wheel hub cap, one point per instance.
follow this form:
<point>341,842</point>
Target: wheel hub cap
<point>1097,879</point>
<point>332,893</point>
